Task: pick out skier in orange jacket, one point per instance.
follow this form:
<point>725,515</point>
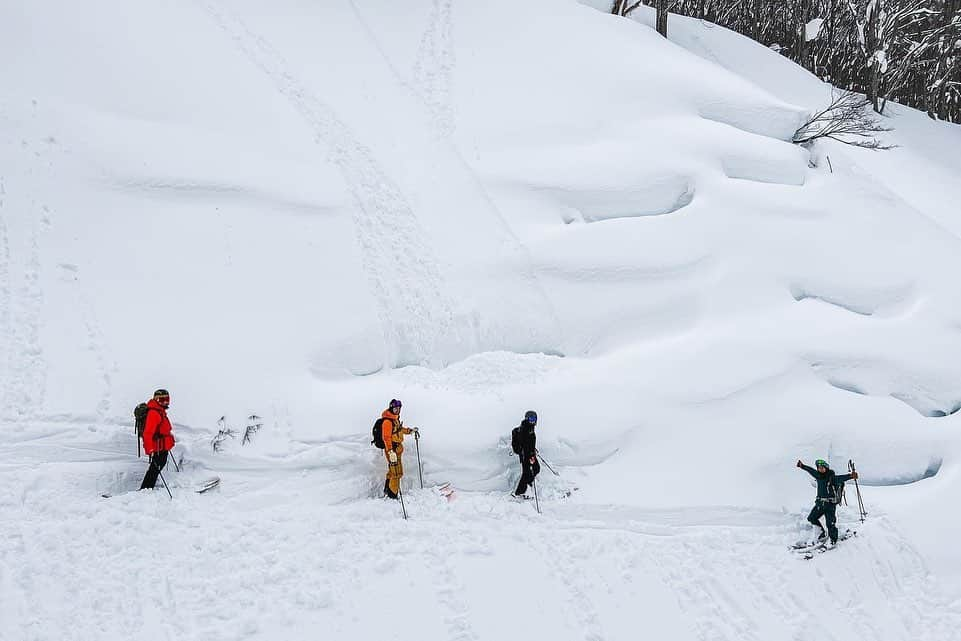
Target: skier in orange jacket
<point>393,432</point>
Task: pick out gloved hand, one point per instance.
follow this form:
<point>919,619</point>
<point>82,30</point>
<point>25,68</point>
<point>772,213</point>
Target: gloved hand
<point>799,463</point>
<point>392,456</point>
<point>854,475</point>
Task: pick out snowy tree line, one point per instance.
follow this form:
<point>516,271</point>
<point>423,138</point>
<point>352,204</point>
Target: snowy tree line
<point>908,51</point>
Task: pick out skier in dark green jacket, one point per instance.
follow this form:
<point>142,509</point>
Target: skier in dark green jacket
<point>828,497</point>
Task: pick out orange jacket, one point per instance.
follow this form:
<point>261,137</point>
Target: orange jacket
<point>157,432</point>
<point>393,432</point>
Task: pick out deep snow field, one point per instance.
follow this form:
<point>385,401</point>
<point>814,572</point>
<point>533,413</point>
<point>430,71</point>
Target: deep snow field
<point>301,210</point>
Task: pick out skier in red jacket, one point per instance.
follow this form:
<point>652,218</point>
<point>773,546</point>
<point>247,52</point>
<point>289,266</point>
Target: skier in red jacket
<point>158,438</point>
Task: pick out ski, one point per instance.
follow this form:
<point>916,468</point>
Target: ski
<point>446,490</point>
<point>801,546</point>
<point>804,546</point>
<point>208,485</point>
<point>821,548</point>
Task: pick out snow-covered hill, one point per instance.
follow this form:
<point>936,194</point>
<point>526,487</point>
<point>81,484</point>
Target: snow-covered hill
<point>300,211</point>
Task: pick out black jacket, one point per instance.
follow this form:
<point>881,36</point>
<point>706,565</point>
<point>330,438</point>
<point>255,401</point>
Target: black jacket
<point>828,482</point>
<point>526,440</point>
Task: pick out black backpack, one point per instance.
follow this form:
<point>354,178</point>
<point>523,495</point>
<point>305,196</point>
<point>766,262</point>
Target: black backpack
<point>140,418</point>
<point>838,487</point>
<point>378,434</point>
<point>516,440</point>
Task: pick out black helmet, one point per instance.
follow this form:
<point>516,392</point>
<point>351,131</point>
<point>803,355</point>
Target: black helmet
<point>531,417</point>
<point>160,393</point>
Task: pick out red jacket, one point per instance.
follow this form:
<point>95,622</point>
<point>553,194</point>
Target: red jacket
<point>157,432</point>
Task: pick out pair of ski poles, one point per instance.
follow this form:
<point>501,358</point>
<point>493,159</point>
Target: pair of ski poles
<point>857,487</point>
<point>537,503</point>
<point>160,471</point>
<point>420,473</point>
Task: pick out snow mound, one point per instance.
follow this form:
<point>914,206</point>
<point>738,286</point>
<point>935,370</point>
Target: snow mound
<point>297,212</point>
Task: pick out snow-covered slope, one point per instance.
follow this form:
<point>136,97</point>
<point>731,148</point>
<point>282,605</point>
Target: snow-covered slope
<point>301,211</point>
<point>919,177</point>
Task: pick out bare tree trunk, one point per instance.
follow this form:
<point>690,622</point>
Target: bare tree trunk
<point>662,17</point>
<point>755,20</point>
<point>875,86</point>
<point>625,7</point>
<point>934,101</point>
<point>873,45</point>
<point>800,17</point>
<point>830,46</point>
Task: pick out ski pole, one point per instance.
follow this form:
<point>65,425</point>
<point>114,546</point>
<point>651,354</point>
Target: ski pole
<point>164,481</point>
<point>857,487</point>
<point>537,505</point>
<point>546,463</point>
<point>420,469</point>
<point>851,469</point>
<point>400,493</point>
<point>174,459</point>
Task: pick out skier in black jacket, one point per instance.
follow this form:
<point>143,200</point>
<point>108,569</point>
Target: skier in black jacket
<point>828,496</point>
<point>524,444</point>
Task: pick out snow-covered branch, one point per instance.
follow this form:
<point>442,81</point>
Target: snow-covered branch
<point>846,120</point>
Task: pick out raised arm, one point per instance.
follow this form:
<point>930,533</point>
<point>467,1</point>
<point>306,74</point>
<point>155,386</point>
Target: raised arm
<point>810,470</point>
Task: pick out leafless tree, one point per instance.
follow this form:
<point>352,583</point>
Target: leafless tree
<point>846,120</point>
<point>903,50</point>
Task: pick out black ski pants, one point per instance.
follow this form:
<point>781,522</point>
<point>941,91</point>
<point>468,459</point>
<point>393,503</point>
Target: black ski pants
<point>828,510</point>
<point>528,472</point>
<point>157,462</point>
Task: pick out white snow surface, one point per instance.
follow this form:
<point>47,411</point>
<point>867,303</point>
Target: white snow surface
<point>302,210</point>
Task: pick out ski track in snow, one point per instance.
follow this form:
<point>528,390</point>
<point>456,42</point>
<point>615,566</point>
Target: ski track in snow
<point>6,329</point>
<point>433,68</point>
<point>97,346</point>
<point>578,549</point>
<point>26,371</point>
<point>448,587</point>
<point>84,311</point>
<point>432,86</point>
<point>397,256</point>
<point>264,557</point>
